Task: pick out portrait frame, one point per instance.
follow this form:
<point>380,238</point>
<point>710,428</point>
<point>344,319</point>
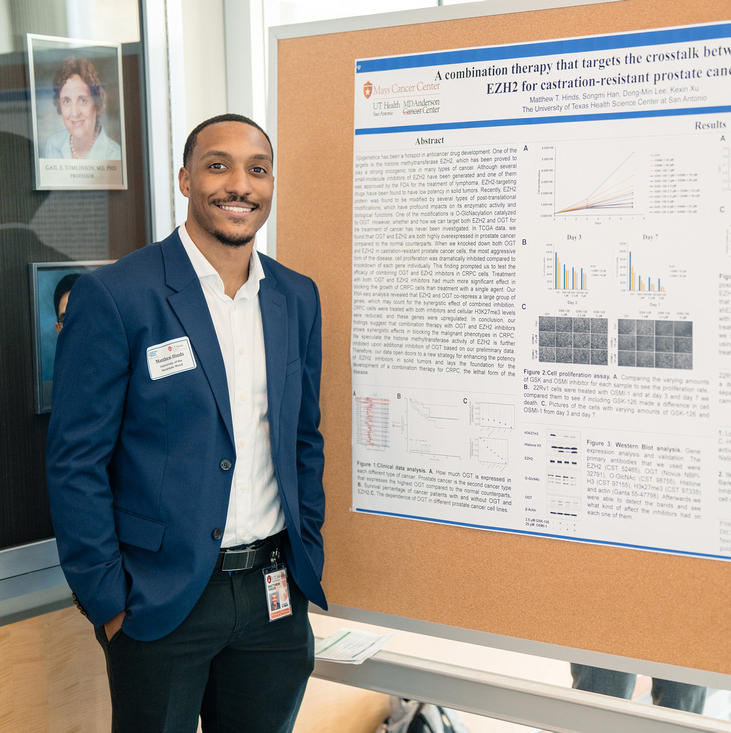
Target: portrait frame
<point>44,278</point>
<point>58,165</point>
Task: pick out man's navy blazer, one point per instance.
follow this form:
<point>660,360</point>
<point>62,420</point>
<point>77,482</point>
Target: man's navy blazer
<point>139,470</point>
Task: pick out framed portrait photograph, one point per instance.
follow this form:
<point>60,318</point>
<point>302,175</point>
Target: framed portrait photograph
<point>50,285</point>
<point>78,113</point>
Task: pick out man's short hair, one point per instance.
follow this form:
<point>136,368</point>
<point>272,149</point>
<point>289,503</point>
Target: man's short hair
<point>64,286</point>
<point>229,117</point>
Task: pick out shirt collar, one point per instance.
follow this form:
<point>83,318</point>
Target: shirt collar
<point>207,273</point>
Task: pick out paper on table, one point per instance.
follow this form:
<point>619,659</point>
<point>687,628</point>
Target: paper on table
<point>350,646</point>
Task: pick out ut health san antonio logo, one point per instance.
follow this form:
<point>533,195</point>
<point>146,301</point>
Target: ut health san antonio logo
<point>368,90</point>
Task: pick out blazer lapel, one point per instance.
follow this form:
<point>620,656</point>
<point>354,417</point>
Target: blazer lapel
<point>189,305</point>
<point>274,322</point>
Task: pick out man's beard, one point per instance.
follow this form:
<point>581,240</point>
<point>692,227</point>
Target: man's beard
<point>229,241</point>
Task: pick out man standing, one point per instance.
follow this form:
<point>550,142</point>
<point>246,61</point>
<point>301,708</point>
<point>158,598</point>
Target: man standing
<point>184,458</point>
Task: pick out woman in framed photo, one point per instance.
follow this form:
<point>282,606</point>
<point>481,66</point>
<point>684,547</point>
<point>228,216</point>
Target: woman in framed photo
<point>80,99</point>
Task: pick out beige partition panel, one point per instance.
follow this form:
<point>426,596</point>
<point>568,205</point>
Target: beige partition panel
<point>52,676</point>
<point>53,680</point>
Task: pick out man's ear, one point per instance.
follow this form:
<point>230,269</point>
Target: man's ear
<point>184,181</point>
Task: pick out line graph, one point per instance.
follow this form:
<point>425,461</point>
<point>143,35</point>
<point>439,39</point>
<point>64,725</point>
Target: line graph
<point>615,192</point>
<point>497,416</point>
<point>491,451</point>
<point>433,429</point>
<point>592,178</point>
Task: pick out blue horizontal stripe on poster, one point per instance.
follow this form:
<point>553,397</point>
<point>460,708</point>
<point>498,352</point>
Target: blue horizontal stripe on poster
<point>584,540</point>
<point>545,120</point>
<point>546,48</point>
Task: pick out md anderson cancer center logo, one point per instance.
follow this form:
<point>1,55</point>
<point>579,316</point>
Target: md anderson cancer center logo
<point>421,97</point>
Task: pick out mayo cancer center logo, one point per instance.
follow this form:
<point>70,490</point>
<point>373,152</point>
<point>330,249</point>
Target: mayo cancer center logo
<point>368,90</point>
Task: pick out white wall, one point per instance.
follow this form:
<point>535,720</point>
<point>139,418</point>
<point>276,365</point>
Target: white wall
<point>204,52</point>
<point>6,34</point>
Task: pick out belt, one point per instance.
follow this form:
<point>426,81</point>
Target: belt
<point>246,557</point>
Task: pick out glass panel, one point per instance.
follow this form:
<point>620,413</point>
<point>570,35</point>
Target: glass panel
<point>54,226</point>
<point>285,12</point>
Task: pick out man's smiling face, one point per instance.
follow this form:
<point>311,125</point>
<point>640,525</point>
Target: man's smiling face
<point>229,183</point>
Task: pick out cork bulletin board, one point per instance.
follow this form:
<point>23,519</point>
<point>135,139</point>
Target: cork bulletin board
<point>642,605</point>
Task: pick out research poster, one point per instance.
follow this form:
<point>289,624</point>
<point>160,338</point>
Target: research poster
<point>541,333</point>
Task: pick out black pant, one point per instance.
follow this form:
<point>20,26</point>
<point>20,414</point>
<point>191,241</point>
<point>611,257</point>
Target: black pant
<point>226,662</point>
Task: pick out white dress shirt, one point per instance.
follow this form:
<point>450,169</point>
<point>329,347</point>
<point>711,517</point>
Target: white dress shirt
<point>254,510</point>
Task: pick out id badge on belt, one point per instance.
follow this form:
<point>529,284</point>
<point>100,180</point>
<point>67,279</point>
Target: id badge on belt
<point>277,589</point>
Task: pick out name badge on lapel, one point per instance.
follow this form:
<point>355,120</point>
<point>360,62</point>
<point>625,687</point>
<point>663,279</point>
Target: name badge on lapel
<point>172,357</point>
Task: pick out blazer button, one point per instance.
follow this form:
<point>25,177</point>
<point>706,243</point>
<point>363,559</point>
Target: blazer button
<point>225,464</point>
<point>217,534</point>
<point>78,605</point>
